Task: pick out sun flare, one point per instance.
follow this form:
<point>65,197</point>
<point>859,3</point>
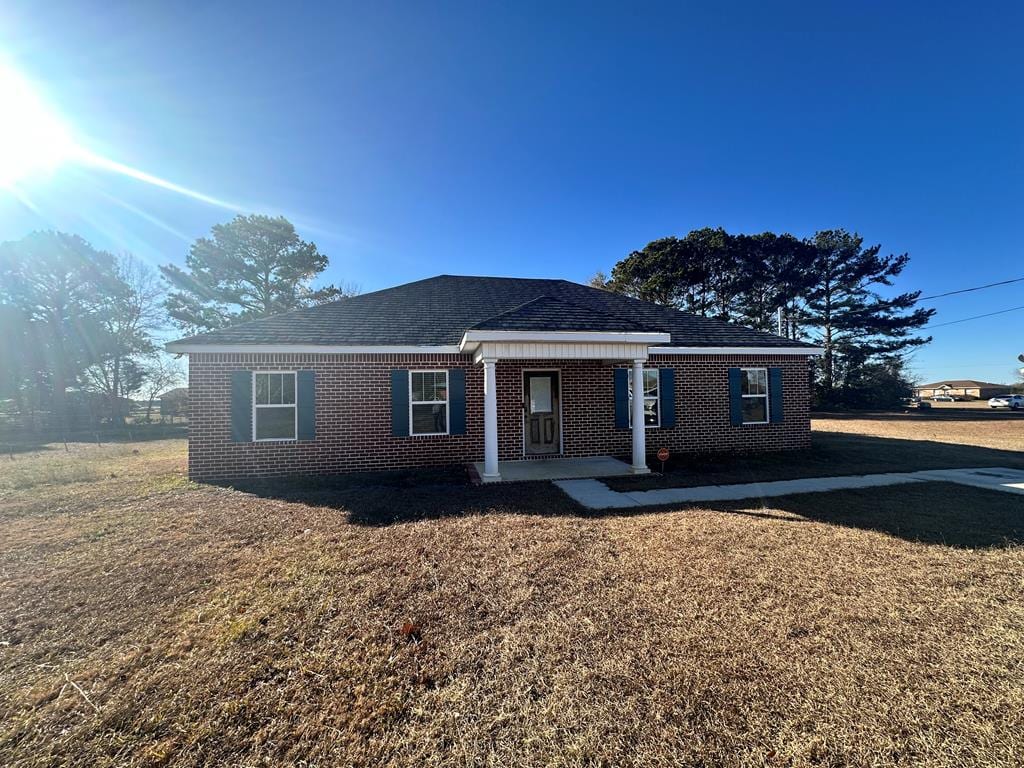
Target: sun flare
<point>32,138</point>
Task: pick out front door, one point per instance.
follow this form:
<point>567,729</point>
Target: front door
<point>541,404</point>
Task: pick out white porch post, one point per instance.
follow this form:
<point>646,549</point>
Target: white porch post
<point>490,421</point>
<point>639,429</point>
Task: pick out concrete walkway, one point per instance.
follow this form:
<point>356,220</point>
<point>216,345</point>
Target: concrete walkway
<point>594,494</point>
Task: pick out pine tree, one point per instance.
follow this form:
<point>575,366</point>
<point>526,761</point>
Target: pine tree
<point>843,312</point>
<point>251,267</point>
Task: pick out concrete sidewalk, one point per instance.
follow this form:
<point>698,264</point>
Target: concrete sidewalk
<point>594,494</point>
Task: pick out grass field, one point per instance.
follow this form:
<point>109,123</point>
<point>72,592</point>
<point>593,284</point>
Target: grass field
<point>412,619</point>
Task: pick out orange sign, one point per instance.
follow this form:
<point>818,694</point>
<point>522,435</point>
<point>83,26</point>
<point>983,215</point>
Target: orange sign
<point>663,454</point>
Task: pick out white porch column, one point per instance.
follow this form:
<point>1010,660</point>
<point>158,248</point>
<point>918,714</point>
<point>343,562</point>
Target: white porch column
<point>639,429</point>
<point>490,421</point>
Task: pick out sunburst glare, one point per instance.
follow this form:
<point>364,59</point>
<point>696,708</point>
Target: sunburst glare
<point>35,140</point>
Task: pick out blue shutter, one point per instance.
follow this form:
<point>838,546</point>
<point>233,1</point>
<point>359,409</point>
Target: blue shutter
<point>305,391</point>
<point>736,396</point>
<point>775,395</point>
<point>621,398</point>
<point>457,401</point>
<point>667,395</point>
<point>399,402</point>
<point>241,406</point>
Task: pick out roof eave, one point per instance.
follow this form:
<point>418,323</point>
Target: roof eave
<point>739,350</point>
<point>188,348</point>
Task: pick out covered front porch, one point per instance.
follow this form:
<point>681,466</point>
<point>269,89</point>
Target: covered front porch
<point>489,347</point>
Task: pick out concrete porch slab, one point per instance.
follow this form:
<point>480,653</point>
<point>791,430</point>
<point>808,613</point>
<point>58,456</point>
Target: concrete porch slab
<point>556,469</point>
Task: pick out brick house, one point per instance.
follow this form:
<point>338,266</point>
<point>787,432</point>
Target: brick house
<point>962,389</point>
<point>469,369</point>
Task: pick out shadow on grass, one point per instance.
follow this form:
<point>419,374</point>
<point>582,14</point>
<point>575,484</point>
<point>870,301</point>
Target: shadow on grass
<point>934,513</point>
<point>930,415</point>
<point>386,498</point>
<point>831,454</point>
<point>931,513</point>
<point>28,442</point>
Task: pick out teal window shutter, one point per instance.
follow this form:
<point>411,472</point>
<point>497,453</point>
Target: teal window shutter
<point>241,406</point>
<point>305,387</point>
<point>457,401</point>
<point>667,396</point>
<point>775,395</point>
<point>399,402</point>
<point>621,398</point>
<point>736,396</point>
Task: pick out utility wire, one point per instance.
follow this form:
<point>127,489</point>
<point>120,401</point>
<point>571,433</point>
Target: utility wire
<point>884,304</point>
<point>975,317</point>
<point>968,290</point>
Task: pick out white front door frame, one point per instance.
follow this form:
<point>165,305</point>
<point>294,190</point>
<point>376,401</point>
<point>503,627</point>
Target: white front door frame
<point>561,431</point>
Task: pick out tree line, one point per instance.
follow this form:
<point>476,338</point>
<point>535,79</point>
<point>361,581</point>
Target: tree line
<point>82,329</point>
<point>82,324</point>
<point>826,288</point>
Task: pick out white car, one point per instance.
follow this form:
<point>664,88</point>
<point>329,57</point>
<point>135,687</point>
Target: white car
<point>1007,401</point>
<point>943,399</point>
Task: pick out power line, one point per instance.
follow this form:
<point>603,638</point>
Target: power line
<point>885,304</point>
<point>968,290</point>
<point>975,317</point>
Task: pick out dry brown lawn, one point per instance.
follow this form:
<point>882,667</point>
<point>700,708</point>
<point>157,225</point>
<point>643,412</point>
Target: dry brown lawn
<point>956,424</point>
<point>415,620</point>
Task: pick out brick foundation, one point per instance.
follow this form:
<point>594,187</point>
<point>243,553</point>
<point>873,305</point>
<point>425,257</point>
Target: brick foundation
<point>353,413</point>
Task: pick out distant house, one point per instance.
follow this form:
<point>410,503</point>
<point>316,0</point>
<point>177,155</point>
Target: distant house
<point>965,389</point>
<point>457,369</point>
<point>174,402</point>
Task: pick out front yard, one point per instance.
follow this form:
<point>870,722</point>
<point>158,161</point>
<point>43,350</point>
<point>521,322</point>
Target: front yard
<point>858,445</point>
<point>416,620</point>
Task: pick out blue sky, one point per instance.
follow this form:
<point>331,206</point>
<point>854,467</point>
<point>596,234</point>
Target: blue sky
<point>549,140</point>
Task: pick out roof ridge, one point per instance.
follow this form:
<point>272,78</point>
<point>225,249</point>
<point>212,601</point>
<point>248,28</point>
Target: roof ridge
<point>566,302</point>
<point>509,311</point>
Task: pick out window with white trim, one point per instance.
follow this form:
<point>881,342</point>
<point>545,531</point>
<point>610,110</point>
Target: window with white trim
<point>274,415</point>
<point>652,398</point>
<point>754,389</point>
<point>428,402</point>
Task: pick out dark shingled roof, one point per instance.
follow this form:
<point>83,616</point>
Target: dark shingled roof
<point>549,314</point>
<point>438,311</point>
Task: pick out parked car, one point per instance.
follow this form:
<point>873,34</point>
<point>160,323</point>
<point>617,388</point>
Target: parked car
<point>916,402</point>
<point>1007,401</point>
<point>944,399</point>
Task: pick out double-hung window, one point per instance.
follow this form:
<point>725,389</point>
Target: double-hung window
<point>652,398</point>
<point>428,403</point>
<point>754,389</point>
<point>274,413</point>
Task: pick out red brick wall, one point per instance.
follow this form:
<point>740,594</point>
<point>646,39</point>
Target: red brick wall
<point>353,413</point>
<point>702,407</point>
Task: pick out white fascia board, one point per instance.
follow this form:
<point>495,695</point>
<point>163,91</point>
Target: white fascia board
<point>809,351</point>
<point>314,349</point>
<point>580,337</point>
